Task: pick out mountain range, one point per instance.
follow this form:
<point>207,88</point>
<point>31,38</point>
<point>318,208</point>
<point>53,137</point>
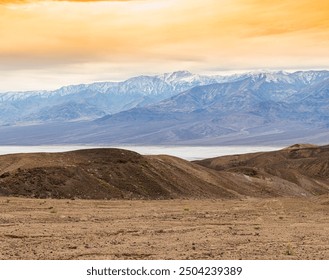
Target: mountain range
<point>174,108</point>
<point>89,101</point>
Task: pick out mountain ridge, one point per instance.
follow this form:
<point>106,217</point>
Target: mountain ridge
<point>250,106</point>
<point>246,109</point>
<point>104,97</point>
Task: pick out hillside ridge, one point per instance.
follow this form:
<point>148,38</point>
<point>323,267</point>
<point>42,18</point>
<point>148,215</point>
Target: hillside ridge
<point>122,174</point>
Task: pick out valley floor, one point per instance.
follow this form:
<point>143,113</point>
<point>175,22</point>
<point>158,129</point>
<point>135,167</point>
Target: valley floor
<point>278,228</point>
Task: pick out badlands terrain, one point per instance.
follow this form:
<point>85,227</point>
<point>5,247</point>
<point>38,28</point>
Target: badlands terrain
<point>118,204</point>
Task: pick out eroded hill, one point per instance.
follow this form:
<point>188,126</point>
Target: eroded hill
<point>121,174</point>
<point>301,168</point>
<point>107,174</point>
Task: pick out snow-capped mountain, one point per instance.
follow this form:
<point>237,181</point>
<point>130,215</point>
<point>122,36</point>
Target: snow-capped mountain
<point>89,101</point>
<point>258,103</point>
<point>175,108</point>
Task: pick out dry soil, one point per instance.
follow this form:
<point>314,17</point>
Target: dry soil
<point>275,228</point>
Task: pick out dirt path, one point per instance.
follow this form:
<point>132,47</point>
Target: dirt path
<point>175,229</point>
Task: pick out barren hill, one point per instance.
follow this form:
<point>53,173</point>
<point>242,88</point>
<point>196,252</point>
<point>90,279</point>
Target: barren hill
<point>106,174</point>
<point>122,174</point>
<point>304,167</point>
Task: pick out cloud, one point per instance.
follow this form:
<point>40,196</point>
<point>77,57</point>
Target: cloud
<point>4,2</point>
<point>272,18</point>
<point>163,34</point>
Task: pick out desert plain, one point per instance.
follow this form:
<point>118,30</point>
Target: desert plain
<point>275,228</point>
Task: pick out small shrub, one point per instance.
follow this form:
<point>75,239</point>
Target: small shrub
<point>289,251</point>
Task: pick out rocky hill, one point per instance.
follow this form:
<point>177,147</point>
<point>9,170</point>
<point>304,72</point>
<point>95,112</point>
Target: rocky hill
<point>304,168</point>
<point>106,174</point>
<point>122,174</point>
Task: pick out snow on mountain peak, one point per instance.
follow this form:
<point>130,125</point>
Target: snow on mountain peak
<point>174,76</point>
<point>271,76</point>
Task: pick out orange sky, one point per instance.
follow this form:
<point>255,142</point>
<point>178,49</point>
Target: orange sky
<point>46,44</point>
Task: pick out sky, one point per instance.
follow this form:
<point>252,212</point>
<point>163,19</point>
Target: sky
<point>48,44</point>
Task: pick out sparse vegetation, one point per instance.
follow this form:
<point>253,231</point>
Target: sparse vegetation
<point>289,251</point>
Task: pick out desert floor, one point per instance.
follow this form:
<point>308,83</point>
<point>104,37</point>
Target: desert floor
<point>280,228</point>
